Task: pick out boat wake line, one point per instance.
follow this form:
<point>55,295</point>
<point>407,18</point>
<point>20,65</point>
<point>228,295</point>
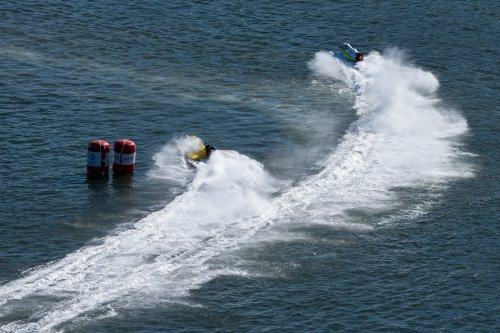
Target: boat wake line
<point>403,137</point>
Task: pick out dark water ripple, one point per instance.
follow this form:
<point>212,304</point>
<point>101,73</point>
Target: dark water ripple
<point>235,73</point>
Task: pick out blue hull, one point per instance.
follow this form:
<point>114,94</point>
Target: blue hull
<point>338,55</point>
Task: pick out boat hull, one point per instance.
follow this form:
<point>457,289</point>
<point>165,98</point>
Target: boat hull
<point>339,56</point>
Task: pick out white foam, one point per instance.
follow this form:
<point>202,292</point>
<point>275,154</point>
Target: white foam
<point>403,138</point>
<point>170,164</point>
<point>159,259</point>
<point>326,65</point>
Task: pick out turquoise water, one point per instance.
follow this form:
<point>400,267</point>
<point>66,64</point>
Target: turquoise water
<point>338,199</point>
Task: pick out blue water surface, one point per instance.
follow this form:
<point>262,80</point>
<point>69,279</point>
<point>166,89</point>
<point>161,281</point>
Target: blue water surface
<point>236,74</point>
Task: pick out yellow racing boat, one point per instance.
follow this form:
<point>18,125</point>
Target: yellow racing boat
<point>199,155</point>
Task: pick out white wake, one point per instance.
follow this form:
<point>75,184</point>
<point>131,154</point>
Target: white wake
<point>403,138</point>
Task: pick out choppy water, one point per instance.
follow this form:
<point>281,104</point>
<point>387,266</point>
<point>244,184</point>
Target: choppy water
<point>338,199</point>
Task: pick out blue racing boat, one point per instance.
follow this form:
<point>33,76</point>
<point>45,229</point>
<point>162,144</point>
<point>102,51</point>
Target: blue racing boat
<point>347,54</point>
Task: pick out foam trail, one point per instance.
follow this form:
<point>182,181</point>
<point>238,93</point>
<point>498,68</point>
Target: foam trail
<point>170,164</point>
<point>158,260</point>
<point>326,65</point>
<point>403,138</point>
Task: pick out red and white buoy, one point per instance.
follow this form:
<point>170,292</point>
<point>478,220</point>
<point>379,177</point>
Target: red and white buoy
<point>98,158</point>
<point>124,156</point>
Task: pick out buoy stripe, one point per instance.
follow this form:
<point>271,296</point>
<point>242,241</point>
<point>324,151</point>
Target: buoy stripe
<point>98,156</point>
<point>94,159</point>
<point>124,159</point>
